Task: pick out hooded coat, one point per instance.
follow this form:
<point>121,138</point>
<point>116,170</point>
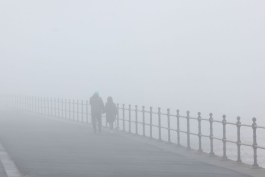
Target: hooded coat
<point>111,110</point>
<point>97,105</point>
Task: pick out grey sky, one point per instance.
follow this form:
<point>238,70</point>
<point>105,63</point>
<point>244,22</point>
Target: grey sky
<point>203,56</point>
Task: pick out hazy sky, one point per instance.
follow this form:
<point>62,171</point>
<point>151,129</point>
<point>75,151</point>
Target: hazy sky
<point>206,56</point>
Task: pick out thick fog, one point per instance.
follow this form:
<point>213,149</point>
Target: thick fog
<point>203,55</point>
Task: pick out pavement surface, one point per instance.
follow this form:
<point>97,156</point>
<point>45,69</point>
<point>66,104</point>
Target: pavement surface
<point>42,147</point>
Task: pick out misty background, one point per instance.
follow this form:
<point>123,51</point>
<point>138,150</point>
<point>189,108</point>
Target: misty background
<point>203,55</point>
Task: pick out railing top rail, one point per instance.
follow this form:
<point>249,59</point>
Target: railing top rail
<point>195,118</point>
<point>260,127</point>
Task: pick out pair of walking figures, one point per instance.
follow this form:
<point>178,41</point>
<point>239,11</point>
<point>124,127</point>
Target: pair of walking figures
<point>98,108</point>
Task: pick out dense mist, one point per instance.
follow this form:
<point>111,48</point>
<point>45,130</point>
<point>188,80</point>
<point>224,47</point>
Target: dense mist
<point>203,56</point>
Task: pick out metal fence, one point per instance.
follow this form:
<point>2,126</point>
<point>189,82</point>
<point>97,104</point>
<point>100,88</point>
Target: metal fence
<point>80,111</point>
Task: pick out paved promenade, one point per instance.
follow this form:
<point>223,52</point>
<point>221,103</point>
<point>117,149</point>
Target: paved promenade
<point>42,147</point>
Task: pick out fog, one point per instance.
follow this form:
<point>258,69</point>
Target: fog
<point>203,56</point>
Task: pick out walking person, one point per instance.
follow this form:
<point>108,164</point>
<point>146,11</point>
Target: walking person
<point>111,112</point>
<point>97,107</point>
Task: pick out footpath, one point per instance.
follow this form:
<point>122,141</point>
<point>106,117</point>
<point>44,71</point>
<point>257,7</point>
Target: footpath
<point>45,147</point>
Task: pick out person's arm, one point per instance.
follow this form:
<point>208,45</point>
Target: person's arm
<point>116,110</point>
<point>104,109</point>
<point>102,106</point>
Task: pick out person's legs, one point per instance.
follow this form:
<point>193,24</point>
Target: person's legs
<point>99,119</point>
<point>94,122</point>
<point>111,125</point>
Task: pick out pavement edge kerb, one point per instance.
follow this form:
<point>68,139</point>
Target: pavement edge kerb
<point>9,165</point>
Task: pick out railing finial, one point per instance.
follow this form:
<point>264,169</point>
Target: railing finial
<point>188,113</point>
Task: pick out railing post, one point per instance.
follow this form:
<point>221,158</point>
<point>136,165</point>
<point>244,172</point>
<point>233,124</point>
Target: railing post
<point>28,98</point>
<point>69,101</point>
<point>106,122</point>
<point>73,109</point>
<point>199,132</point>
<point>41,105</point>
<point>55,110</point>
<point>14,100</point>
<point>62,107</point>
<point>178,129</point>
<point>32,104</point>
<point>48,106</point>
<point>136,120</point>
<point>17,98</point>
<point>82,102</point>
<point>143,120</point>
<point>123,118</point>
<point>188,130</point>
<point>130,118</point>
<point>118,117</point>
<point>87,111</point>
<point>45,106</point>
<point>65,107</point>
<point>159,123</point>
<point>254,127</point>
<point>224,137</point>
<point>238,142</point>
<point>29,107</point>
<point>151,123</point>
<point>17,102</point>
<point>26,102</point>
<point>77,110</point>
<point>12,103</point>
<point>35,100</point>
<point>8,101</point>
<point>58,107</point>
<point>211,134</point>
<point>38,105</point>
<point>168,125</point>
<point>20,102</point>
<point>51,108</point>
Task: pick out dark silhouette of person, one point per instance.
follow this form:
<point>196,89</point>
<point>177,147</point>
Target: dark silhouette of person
<point>97,107</point>
<point>111,112</point>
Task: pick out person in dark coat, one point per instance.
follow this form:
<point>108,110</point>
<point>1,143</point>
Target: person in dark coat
<point>111,112</point>
<point>97,107</point>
